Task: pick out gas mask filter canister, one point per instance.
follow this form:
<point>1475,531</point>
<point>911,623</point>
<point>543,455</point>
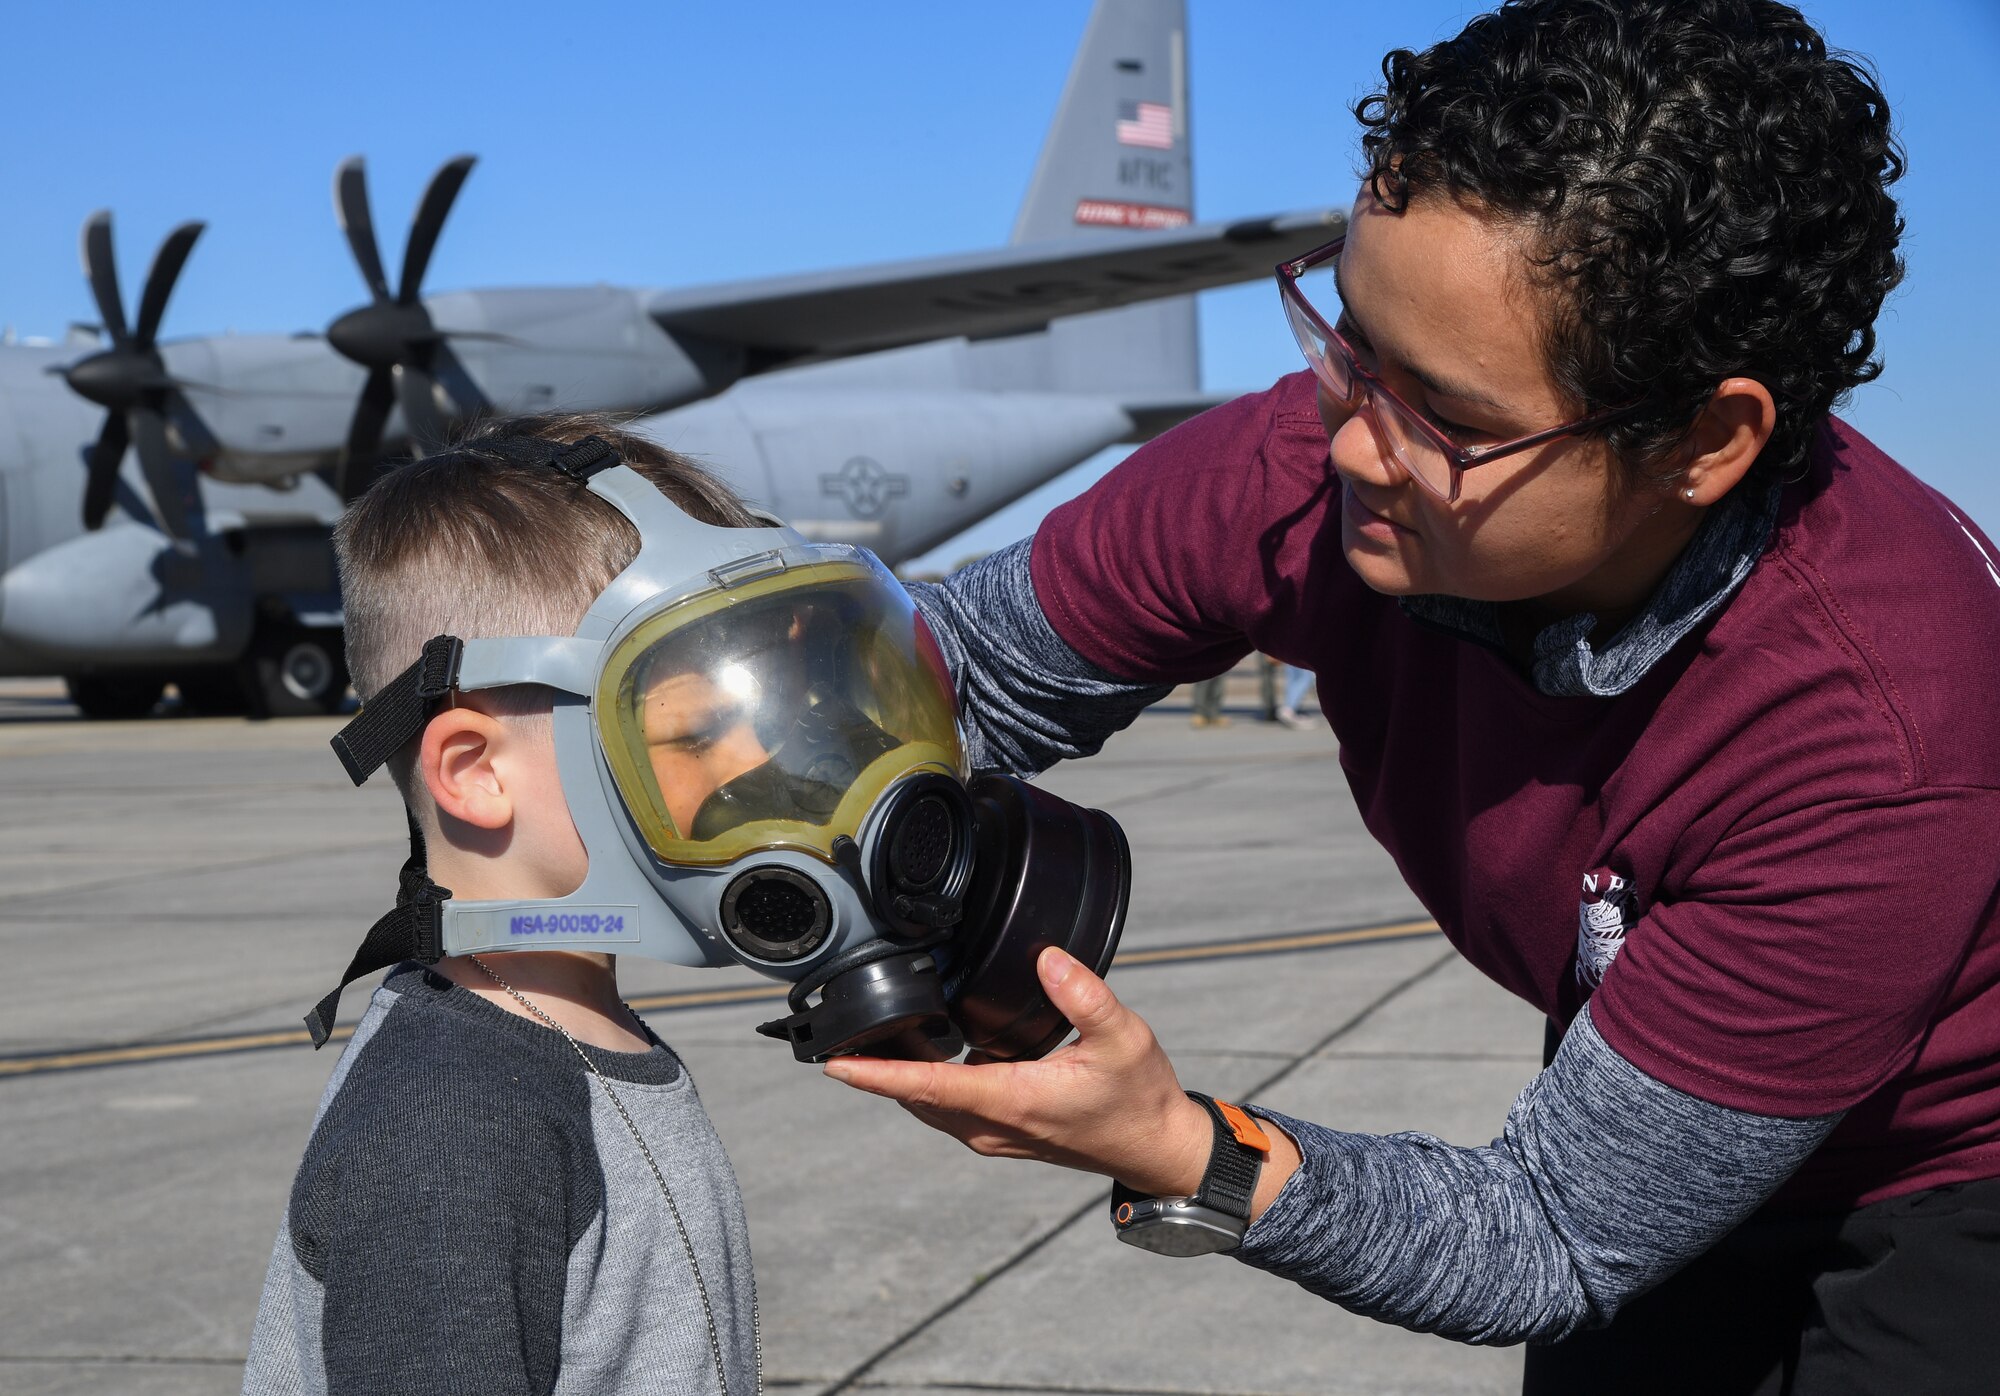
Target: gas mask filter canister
<point>758,743</point>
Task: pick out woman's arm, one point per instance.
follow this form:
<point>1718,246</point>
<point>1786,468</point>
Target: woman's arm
<point>1604,1182</point>
<point>1158,574</point>
<point>1028,699</point>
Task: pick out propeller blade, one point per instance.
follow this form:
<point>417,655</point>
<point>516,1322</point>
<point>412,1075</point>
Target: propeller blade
<point>169,483</point>
<point>437,202</point>
<point>167,264</point>
<point>185,425</point>
<point>364,434</point>
<point>350,206</point>
<point>466,398</point>
<point>101,482</point>
<point>416,392</point>
<point>102,273</point>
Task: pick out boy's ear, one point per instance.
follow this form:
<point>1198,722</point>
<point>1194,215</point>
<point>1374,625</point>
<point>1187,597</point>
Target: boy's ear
<point>457,765</point>
<point>1728,436</point>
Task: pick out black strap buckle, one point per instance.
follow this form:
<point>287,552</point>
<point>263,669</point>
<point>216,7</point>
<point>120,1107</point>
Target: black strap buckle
<point>414,930</point>
<point>591,456</point>
<point>388,720</point>
<point>438,667</point>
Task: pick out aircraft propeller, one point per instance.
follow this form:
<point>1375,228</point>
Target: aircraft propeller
<point>130,379</point>
<point>393,337</point>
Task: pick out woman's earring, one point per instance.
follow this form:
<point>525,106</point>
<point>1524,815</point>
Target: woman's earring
<point>1688,494</point>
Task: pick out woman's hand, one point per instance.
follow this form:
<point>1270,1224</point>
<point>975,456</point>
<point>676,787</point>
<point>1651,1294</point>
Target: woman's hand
<point>1107,1103</point>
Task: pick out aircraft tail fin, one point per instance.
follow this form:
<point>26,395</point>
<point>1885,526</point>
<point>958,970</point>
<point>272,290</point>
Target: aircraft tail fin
<point>1117,156</point>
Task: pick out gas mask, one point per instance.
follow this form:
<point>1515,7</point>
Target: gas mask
<point>758,743</point>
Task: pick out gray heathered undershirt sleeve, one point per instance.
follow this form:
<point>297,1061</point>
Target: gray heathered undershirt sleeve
<point>1029,700</point>
<point>1604,1183</point>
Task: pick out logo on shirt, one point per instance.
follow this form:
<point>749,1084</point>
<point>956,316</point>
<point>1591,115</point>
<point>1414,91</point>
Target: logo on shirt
<point>1607,912</point>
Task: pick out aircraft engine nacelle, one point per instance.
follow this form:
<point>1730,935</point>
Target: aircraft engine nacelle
<point>576,349</point>
<point>126,595</point>
<point>270,407</point>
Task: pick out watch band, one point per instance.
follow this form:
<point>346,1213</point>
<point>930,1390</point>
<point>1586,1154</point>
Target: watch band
<point>1238,1157</point>
<point>1230,1181</point>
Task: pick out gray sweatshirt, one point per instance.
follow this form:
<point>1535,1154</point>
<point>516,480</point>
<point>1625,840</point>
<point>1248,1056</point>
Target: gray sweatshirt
<point>473,1216</point>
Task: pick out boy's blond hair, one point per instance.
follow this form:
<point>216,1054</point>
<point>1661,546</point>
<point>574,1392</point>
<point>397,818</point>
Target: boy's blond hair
<point>485,540</point>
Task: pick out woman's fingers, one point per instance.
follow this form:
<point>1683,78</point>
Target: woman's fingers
<point>881,1076</point>
<point>1104,1025</point>
<point>949,1103</point>
<point>988,1087</point>
<point>1079,995</point>
<point>1109,1102</point>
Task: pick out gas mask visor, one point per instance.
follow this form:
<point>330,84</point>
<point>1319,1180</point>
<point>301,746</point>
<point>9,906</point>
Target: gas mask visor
<point>763,762</point>
<point>774,711</point>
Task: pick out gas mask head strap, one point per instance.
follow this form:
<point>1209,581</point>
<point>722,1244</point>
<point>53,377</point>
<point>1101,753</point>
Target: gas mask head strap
<point>388,721</point>
<point>414,929</point>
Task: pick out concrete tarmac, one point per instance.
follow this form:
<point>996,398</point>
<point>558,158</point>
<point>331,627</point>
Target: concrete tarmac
<point>179,886</point>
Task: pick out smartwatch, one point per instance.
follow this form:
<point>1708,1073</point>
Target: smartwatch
<point>1218,1214</point>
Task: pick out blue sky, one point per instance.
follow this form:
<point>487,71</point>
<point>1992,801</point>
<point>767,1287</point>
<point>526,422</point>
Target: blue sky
<point>673,143</point>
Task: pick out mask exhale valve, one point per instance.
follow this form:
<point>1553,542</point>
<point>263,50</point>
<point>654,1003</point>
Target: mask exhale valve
<point>922,852</point>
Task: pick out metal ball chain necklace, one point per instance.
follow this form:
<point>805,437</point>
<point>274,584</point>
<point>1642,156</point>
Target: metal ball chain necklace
<point>687,1243</point>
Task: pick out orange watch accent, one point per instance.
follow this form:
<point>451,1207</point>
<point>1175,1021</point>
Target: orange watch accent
<point>1248,1132</point>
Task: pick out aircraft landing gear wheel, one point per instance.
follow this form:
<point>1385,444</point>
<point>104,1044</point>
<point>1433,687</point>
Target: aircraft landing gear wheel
<point>297,671</point>
<point>110,697</point>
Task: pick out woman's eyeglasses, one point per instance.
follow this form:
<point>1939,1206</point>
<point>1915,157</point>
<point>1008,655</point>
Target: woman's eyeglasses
<point>1417,446</point>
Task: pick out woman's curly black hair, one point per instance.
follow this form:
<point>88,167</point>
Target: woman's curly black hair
<point>1707,183</point>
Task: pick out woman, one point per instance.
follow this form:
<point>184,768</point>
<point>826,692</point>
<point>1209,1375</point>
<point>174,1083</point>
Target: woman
<point>1676,701</point>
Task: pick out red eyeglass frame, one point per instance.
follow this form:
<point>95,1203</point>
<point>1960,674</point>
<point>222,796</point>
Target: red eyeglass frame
<point>1372,388</point>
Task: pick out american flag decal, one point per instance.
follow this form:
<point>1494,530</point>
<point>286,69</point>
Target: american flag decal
<point>1150,124</point>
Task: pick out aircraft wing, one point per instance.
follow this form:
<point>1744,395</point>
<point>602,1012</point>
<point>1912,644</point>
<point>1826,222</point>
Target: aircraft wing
<point>985,295</point>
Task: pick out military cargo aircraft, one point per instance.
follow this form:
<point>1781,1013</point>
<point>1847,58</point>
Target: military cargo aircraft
<point>165,505</point>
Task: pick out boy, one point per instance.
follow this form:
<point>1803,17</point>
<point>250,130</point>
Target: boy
<point>476,1210</point>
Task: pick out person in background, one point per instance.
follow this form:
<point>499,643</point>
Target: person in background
<point>1298,684</point>
<point>1206,695</point>
<point>1274,674</point>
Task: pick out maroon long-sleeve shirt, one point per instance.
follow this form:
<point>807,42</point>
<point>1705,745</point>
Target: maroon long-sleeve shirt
<point>1772,865</point>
